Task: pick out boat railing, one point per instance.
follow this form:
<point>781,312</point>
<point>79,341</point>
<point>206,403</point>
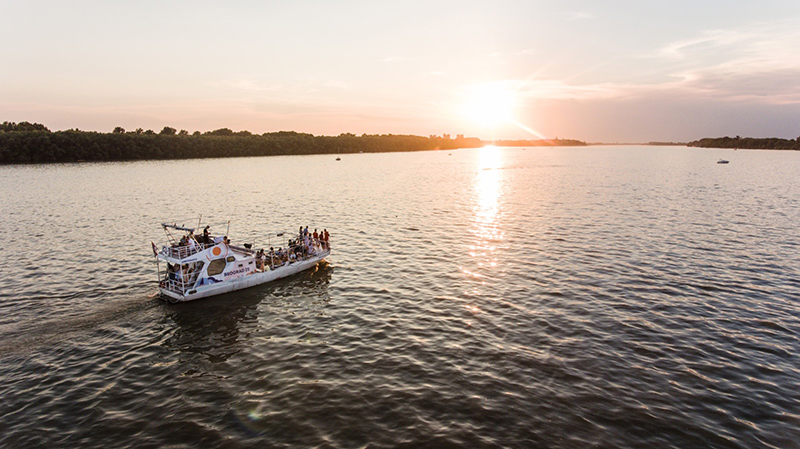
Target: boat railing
<point>182,252</point>
<point>180,285</point>
<point>273,261</point>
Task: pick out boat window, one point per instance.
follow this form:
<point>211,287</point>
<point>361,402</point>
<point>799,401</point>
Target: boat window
<point>230,259</point>
<point>216,267</point>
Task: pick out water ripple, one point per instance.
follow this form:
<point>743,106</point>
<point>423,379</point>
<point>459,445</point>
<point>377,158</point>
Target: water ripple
<point>608,296</point>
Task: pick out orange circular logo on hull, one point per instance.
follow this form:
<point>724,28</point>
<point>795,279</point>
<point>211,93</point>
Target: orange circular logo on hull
<point>216,251</point>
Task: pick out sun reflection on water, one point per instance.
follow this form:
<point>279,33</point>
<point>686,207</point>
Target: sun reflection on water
<point>487,189</point>
<point>487,192</point>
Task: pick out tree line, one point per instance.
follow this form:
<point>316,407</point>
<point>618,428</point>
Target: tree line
<point>24,142</point>
<point>771,143</point>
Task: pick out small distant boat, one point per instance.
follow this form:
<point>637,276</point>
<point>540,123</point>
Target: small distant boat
<point>338,158</point>
<point>197,267</point>
<point>722,161</point>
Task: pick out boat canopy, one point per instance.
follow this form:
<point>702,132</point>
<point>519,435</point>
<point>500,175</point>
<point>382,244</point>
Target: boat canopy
<point>174,226</point>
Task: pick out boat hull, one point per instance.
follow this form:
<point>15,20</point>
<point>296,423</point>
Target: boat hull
<point>248,281</point>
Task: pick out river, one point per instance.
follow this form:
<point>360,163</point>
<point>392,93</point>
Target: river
<point>610,296</point>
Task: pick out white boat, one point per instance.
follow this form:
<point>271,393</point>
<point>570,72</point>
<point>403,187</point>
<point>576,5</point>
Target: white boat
<point>200,266</point>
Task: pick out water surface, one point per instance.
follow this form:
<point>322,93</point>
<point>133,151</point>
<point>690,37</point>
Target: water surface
<point>496,297</point>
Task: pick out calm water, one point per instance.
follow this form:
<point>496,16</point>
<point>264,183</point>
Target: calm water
<point>577,297</point>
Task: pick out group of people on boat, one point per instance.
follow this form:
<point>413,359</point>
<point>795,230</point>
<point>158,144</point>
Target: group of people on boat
<point>317,238</point>
<point>205,239</point>
<point>182,274</point>
<point>306,245</point>
<point>190,244</point>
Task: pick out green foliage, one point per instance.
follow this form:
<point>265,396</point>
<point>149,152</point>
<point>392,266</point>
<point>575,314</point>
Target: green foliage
<point>22,126</point>
<point>167,131</point>
<point>41,146</point>
<point>771,143</point>
<point>220,132</point>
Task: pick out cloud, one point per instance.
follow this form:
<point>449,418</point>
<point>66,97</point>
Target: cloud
<point>773,43</point>
<point>759,64</point>
<point>772,87</point>
<point>709,41</point>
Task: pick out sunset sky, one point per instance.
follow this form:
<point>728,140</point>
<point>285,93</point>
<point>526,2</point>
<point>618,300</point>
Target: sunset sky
<point>610,71</point>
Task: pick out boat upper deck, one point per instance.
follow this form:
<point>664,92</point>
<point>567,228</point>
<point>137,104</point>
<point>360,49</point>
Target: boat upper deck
<point>182,252</point>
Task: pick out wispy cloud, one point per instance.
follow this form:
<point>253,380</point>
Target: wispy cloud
<point>761,63</point>
<point>757,64</point>
<point>709,41</point>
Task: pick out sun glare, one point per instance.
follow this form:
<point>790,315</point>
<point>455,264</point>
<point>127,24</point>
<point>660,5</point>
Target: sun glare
<point>490,104</point>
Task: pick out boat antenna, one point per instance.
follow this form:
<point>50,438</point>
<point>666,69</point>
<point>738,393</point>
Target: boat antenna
<point>228,232</point>
<point>198,221</point>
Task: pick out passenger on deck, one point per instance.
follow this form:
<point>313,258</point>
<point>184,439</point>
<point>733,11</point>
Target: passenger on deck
<point>206,236</point>
<point>192,243</point>
<point>172,272</point>
<point>260,259</point>
<point>310,248</point>
<point>184,274</point>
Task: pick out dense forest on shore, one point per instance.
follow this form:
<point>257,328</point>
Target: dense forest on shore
<point>751,143</point>
<point>24,142</point>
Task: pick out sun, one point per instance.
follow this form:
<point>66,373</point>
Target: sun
<point>490,104</point>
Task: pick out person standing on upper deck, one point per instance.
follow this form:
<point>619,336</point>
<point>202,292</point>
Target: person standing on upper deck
<point>192,243</point>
